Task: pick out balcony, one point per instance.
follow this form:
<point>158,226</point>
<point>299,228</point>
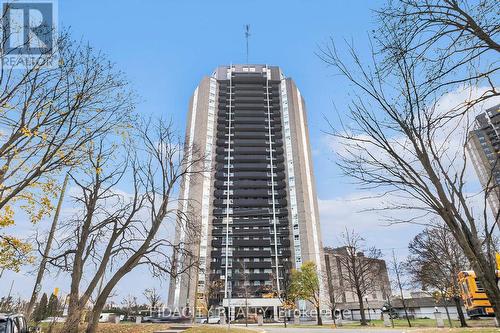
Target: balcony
<point>256,158</point>
<point>251,242</point>
<point>251,232</point>
<point>251,254</point>
<point>251,277</point>
<point>252,264</point>
<point>285,253</point>
<point>251,184</point>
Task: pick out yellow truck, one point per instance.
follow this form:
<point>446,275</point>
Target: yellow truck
<point>473,294</point>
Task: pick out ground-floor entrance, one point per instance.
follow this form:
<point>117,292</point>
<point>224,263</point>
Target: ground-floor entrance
<point>238,307</point>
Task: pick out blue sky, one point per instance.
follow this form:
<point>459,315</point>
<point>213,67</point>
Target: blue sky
<point>166,47</point>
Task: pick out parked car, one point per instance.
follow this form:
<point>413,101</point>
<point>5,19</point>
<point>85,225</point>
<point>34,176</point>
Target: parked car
<point>14,323</point>
<point>146,319</point>
<point>211,320</point>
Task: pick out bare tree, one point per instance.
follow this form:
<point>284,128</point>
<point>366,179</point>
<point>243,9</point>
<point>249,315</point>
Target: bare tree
<point>336,291</point>
<point>245,287</point>
<point>397,269</point>
<point>153,298</point>
<point>455,41</point>
<point>211,294</point>
<point>435,261</point>
<point>360,267</point>
<point>116,232</point>
<point>402,146</point>
<point>285,295</point>
<point>129,304</point>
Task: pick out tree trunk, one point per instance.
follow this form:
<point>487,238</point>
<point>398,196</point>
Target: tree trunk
<point>406,311</point>
<point>72,321</point>
<point>207,302</point>
<point>466,238</point>
<point>318,314</point>
<point>362,309</point>
<point>96,312</point>
<point>493,294</point>
<point>460,312</point>
<point>246,310</point>
<point>103,296</point>
<point>75,305</point>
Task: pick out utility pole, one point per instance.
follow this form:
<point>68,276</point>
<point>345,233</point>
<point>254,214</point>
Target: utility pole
<point>46,252</point>
<point>247,36</point>
<point>10,290</point>
<point>397,271</point>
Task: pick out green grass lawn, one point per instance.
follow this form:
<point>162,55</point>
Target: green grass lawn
<point>457,330</point>
<point>399,323</point>
<point>418,325</point>
<point>423,323</point>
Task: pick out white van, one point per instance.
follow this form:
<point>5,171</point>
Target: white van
<point>107,317</point>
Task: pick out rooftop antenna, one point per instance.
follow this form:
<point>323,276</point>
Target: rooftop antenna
<point>247,36</point>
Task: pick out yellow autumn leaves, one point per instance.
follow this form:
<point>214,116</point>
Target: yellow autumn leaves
<point>36,203</point>
<point>14,253</point>
<point>29,133</point>
<point>7,217</point>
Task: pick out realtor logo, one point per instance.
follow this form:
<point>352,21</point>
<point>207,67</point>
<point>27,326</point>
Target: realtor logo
<point>29,33</point>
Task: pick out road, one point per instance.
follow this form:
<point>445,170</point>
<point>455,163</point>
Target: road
<point>308,329</point>
<point>327,330</point>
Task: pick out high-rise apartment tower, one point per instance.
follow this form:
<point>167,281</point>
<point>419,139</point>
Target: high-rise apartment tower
<point>484,148</point>
<point>257,205</point>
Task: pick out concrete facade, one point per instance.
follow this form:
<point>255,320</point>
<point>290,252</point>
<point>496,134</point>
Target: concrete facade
<point>484,149</point>
<point>343,295</point>
<point>256,204</point>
